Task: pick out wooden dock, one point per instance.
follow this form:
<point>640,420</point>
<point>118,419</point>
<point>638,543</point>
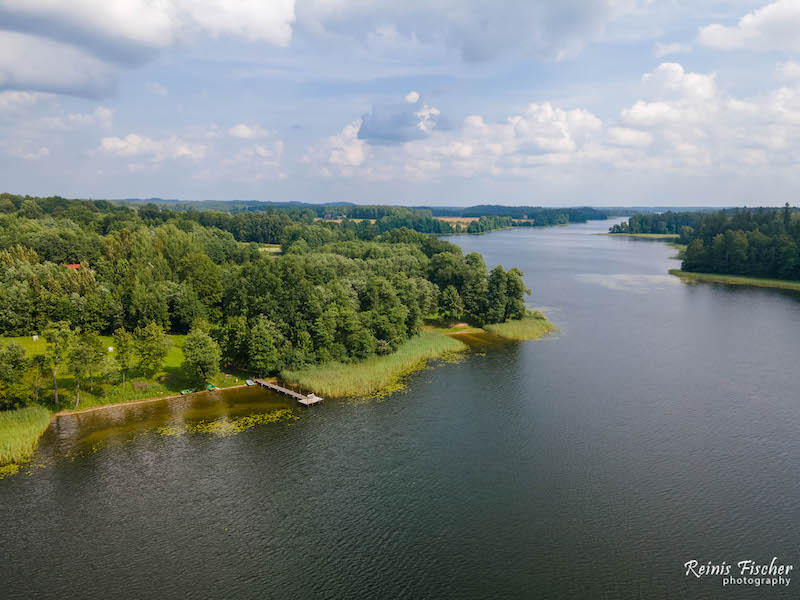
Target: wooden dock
<point>308,400</point>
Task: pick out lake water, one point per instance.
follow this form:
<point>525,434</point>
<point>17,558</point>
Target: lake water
<point>660,425</point>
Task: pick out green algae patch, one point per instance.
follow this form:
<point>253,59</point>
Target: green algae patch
<point>530,328</point>
<point>379,375</point>
<point>224,427</point>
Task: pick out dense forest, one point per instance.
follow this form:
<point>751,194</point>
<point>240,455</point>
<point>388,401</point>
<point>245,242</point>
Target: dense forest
<point>73,270</point>
<point>417,218</point>
<point>760,242</point>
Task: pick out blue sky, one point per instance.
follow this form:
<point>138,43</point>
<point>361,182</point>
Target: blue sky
<point>602,102</point>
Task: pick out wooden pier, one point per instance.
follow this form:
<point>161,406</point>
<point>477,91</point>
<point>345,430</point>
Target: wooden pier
<point>308,400</point>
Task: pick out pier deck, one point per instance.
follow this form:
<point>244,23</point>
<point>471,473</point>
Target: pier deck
<point>308,400</point>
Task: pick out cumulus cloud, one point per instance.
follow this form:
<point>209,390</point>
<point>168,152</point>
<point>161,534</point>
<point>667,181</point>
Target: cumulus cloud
<point>661,50</point>
<point>397,123</point>
<point>683,124</point>
<point>248,132</point>
<point>477,29</point>
<point>32,63</point>
<point>14,101</point>
<point>788,71</point>
<point>775,26</point>
<point>156,150</point>
<point>74,47</point>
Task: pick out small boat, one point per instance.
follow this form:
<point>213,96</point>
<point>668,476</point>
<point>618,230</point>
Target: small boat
<point>188,391</point>
<point>249,382</point>
<point>211,387</point>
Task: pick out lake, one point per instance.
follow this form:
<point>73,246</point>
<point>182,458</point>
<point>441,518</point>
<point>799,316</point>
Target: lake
<point>660,425</point>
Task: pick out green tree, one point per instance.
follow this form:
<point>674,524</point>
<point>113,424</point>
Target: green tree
<point>59,340</point>
<point>109,372</point>
<point>13,364</point>
<point>152,346</point>
<point>450,306</point>
<point>79,361</point>
<point>515,293</point>
<point>201,354</point>
<point>497,296</point>
<point>263,347</point>
<point>125,351</point>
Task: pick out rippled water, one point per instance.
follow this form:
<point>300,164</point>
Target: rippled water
<point>659,425</point>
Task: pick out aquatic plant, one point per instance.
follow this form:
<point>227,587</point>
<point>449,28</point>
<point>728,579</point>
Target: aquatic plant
<point>339,380</point>
<point>19,432</point>
<point>534,326</point>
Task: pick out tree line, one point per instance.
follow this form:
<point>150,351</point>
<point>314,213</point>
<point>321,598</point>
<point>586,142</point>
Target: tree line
<point>759,242</point>
<point>73,271</point>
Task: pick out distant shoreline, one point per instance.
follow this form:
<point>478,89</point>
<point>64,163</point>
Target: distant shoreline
<point>782,284</point>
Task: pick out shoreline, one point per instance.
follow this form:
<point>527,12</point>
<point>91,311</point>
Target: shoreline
<point>64,413</point>
<point>781,284</point>
<point>644,236</point>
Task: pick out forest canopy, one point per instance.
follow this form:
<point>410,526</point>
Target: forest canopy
<point>338,291</point>
<point>759,242</point>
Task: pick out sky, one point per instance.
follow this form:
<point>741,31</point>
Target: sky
<point>434,102</point>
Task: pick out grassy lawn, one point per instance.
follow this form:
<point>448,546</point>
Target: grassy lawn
<point>337,380</point>
<point>737,280</point>
<point>532,327</point>
<point>19,432</point>
<point>169,381</point>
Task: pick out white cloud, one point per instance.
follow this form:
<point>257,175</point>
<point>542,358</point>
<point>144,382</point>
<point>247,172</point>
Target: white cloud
<point>157,150</point>
<point>624,136</point>
<point>788,71</point>
<point>248,132</point>
<point>29,62</point>
<point>412,97</point>
<point>686,125</point>
<point>775,26</point>
<point>156,88</point>
<point>662,49</point>
<point>101,116</point>
<point>13,101</point>
<point>252,163</point>
<point>71,47</point>
<point>478,30</point>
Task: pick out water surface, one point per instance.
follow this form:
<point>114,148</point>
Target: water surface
<point>659,425</point>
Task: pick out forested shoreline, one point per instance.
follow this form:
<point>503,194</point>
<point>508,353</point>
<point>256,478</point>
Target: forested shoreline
<point>84,276</point>
<point>754,242</point>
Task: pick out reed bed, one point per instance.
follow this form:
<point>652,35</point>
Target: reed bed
<point>534,326</point>
<point>338,380</point>
<point>19,432</point>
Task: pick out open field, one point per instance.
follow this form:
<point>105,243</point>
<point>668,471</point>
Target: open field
<point>19,432</point>
<point>737,280</point>
<point>462,220</point>
<point>532,327</point>
<point>337,380</point>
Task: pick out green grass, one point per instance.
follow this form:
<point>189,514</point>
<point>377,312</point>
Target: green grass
<point>338,380</point>
<point>532,327</point>
<point>648,236</point>
<point>169,381</point>
<point>19,432</point>
<point>737,280</point>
